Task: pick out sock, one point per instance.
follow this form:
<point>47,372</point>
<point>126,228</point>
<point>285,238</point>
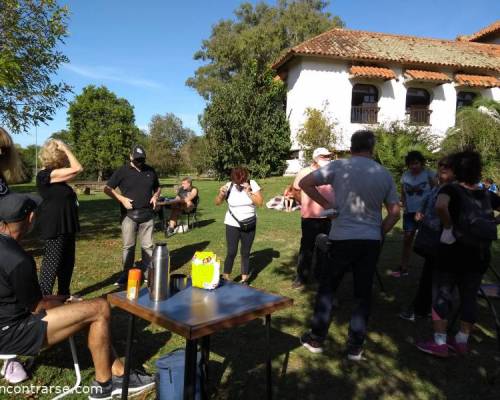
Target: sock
<point>461,337</point>
<point>440,338</point>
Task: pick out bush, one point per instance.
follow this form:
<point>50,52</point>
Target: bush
<point>478,128</point>
<point>396,139</point>
<point>317,131</point>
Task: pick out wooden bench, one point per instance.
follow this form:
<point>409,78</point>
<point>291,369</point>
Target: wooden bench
<point>85,187</point>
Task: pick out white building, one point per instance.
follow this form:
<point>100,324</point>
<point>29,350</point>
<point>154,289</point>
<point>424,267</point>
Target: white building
<point>364,78</point>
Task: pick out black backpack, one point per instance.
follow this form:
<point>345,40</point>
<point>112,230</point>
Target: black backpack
<point>476,225</point>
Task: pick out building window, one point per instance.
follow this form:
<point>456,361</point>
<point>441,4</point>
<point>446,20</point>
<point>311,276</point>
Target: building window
<point>364,109</point>
<point>417,106</point>
<point>465,99</point>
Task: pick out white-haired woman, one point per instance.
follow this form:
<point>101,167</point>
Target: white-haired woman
<point>58,215</point>
<point>10,164</point>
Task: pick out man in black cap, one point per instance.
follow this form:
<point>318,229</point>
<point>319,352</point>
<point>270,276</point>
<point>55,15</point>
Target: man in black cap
<point>139,192</point>
<point>30,322</point>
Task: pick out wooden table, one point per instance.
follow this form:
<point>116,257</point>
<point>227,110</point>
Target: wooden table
<point>197,313</point>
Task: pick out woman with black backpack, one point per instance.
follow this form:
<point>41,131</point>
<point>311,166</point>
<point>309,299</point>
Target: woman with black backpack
<point>242,196</point>
<point>467,215</point>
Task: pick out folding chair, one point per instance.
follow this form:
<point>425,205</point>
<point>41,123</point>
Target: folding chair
<point>191,217</point>
<point>8,357</point>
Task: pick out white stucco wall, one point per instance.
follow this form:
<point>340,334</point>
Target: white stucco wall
<point>325,84</point>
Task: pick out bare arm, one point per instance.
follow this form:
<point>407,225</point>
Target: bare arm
<point>393,215</point>
<point>126,202</point>
<point>66,174</point>
<point>154,198</point>
<point>221,196</point>
<point>308,185</point>
<point>442,202</point>
<point>256,198</point>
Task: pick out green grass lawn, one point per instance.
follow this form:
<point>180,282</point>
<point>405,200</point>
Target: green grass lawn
<point>393,369</point>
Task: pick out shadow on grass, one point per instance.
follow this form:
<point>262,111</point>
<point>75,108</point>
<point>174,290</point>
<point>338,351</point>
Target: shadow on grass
<point>259,260</point>
<point>182,255</point>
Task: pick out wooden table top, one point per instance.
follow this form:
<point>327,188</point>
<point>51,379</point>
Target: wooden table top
<point>194,313</point>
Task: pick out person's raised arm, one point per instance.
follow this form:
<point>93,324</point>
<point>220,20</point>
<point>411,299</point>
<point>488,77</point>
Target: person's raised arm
<point>221,195</point>
<point>68,173</point>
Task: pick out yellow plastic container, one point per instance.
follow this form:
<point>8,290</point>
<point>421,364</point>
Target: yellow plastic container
<point>205,270</point>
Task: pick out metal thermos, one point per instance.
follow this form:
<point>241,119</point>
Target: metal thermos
<point>159,273</point>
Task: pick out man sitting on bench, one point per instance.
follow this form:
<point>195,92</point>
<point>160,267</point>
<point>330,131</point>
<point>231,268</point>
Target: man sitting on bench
<point>30,322</point>
<point>186,200</point>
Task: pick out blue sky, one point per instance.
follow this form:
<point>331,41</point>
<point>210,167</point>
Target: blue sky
<point>143,50</point>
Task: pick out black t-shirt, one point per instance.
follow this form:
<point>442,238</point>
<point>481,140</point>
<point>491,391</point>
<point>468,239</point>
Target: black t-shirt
<point>138,186</point>
<point>182,193</point>
<point>4,188</point>
<point>19,288</point>
<point>58,213</point>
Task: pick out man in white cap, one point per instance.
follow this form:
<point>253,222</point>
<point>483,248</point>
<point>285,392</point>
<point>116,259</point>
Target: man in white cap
<point>312,222</point>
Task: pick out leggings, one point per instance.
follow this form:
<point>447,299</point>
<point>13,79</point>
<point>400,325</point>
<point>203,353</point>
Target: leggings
<point>233,236</point>
<point>58,261</point>
<point>468,283</point>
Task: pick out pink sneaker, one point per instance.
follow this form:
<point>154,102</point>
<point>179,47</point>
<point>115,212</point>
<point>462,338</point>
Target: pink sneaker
<point>431,347</point>
<point>13,371</point>
<point>460,348</point>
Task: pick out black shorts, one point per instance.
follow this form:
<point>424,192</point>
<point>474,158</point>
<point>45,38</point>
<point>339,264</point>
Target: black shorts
<point>25,337</point>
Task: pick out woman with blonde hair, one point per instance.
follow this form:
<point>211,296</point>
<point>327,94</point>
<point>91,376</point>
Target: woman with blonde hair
<point>57,216</point>
<point>10,164</point>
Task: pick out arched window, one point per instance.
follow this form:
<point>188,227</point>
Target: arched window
<point>417,106</point>
<point>364,102</point>
<point>465,99</point>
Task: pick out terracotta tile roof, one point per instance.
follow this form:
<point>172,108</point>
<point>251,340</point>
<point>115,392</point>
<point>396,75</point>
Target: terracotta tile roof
<point>372,72</point>
<point>477,80</point>
<point>371,46</point>
<point>427,76</point>
<point>475,37</point>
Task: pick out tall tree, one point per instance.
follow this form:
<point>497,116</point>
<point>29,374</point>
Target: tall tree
<point>102,129</point>
<point>245,124</point>
<point>195,155</point>
<point>257,35</point>
<point>30,33</point>
<point>167,136</point>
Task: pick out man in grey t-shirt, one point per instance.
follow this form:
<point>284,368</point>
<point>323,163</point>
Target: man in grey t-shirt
<point>362,188</point>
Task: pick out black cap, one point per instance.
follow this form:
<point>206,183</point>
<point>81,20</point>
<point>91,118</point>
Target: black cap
<point>138,152</point>
<point>15,207</point>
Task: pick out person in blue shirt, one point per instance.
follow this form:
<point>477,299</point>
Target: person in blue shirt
<point>416,184</point>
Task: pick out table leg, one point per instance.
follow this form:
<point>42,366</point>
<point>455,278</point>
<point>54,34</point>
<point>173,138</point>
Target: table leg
<point>190,369</point>
<point>130,337</point>
<point>205,357</point>
<point>269,387</point>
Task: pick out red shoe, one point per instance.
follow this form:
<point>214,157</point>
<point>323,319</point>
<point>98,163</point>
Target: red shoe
<point>431,347</point>
<point>460,348</point>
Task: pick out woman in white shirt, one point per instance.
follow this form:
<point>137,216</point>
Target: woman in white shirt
<point>243,196</point>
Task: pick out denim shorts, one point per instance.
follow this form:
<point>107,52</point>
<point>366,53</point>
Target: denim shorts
<point>409,223</point>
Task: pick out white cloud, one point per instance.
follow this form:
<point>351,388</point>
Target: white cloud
<point>111,74</point>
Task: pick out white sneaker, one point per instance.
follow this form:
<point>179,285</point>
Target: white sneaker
<point>13,371</point>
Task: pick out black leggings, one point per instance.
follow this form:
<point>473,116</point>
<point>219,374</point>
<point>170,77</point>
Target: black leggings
<point>233,236</point>
<point>468,283</point>
<point>58,261</point>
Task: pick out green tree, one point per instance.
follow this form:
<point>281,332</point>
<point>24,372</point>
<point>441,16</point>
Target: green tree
<point>317,131</point>
<point>195,155</point>
<point>257,35</point>
<point>167,136</point>
<point>63,135</point>
<point>395,140</point>
<point>28,157</point>
<point>31,32</point>
<point>478,128</point>
<point>245,124</point>
<point>102,130</point>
